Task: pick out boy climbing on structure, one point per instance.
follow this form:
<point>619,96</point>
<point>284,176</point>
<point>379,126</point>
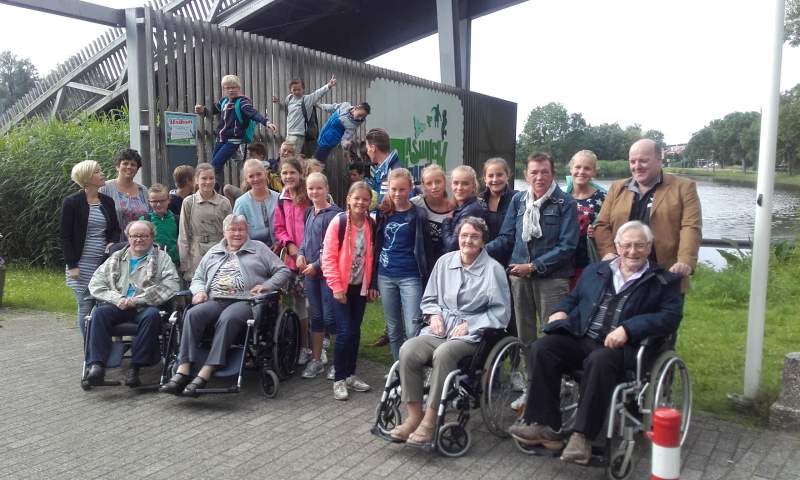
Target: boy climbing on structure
<point>340,127</point>
<point>237,123</point>
<point>301,119</point>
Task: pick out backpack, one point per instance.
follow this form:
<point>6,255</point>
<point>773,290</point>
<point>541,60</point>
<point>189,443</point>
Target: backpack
<point>342,216</point>
<point>248,126</point>
<point>311,122</point>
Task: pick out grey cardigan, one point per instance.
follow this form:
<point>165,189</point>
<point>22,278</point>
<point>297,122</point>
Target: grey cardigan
<point>478,295</point>
<point>258,264</point>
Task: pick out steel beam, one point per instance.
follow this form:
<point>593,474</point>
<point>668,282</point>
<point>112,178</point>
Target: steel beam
<point>91,12</point>
<point>447,19</point>
<point>89,88</point>
<point>137,88</point>
<point>242,11</point>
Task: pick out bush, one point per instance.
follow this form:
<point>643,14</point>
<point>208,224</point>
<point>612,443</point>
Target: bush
<point>613,169</point>
<point>36,158</point>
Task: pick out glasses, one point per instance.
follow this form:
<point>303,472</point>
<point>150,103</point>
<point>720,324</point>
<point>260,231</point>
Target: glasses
<point>140,237</point>
<point>470,237</point>
<point>236,230</point>
<point>636,246</point>
<point>157,202</point>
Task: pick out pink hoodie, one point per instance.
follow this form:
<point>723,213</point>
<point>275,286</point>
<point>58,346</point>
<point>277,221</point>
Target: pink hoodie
<point>337,262</point>
<point>289,223</point>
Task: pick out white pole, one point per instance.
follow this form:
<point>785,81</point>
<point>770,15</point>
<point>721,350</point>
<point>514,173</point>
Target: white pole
<point>764,188</point>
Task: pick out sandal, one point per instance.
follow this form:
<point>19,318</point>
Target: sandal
<point>397,435</point>
<point>421,437</point>
<point>196,384</point>
<point>175,385</point>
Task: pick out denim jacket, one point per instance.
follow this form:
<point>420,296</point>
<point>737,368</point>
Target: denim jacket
<point>553,253</point>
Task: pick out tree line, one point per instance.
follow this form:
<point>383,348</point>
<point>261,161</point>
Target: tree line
<point>733,141</point>
<point>551,128</point>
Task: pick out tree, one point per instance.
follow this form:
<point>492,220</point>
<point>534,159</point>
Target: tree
<point>792,23</point>
<point>550,128</point>
<point>17,76</point>
<point>788,152</point>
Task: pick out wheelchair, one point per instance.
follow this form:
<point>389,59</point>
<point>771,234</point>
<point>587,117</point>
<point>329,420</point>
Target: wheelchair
<point>122,336</point>
<point>270,345</point>
<point>481,381</point>
<point>660,379</point>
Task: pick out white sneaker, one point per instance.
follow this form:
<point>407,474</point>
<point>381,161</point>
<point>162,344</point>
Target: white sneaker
<point>304,357</point>
<point>323,356</point>
<point>340,390</point>
<point>357,384</point>
<point>519,402</point>
<point>313,368</point>
<point>332,373</point>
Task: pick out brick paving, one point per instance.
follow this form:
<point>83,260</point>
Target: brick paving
<point>51,429</point>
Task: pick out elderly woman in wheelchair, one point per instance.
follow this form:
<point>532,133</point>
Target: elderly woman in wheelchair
<point>229,274</point>
<point>597,329</point>
<point>467,294</point>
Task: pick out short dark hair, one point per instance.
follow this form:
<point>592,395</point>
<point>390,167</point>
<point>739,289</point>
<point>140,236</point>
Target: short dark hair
<point>379,138</point>
<point>257,148</point>
<point>541,157</point>
<point>358,167</point>
<point>364,106</point>
<point>128,154</point>
<point>295,81</point>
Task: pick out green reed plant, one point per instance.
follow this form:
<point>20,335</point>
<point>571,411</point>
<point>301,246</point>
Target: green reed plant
<point>36,158</point>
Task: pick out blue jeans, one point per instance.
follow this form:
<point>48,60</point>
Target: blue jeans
<point>222,153</point>
<point>320,311</point>
<point>85,304</point>
<point>401,299</point>
<point>348,329</point>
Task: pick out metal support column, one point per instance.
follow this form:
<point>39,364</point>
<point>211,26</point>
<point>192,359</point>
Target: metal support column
<point>764,188</point>
<point>137,90</point>
<point>447,19</point>
<point>465,52</point>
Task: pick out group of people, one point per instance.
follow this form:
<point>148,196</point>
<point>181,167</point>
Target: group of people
<point>446,265</point>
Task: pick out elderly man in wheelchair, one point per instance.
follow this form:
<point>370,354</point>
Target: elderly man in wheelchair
<point>131,284</point>
<point>597,331</point>
<point>225,281</point>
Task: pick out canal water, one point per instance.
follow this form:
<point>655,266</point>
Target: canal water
<point>729,212</point>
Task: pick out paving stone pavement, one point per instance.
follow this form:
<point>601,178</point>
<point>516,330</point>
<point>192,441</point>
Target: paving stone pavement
<point>51,429</point>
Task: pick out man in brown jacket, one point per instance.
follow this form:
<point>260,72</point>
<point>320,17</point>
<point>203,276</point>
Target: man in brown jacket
<point>667,203</point>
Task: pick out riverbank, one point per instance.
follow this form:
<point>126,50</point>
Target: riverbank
<point>737,176</point>
<point>712,337</point>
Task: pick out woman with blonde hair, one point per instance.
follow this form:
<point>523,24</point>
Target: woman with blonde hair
<point>89,226</point>
<point>464,185</point>
<point>498,193</point>
<point>590,197</point>
<point>434,200</point>
<point>258,202</point>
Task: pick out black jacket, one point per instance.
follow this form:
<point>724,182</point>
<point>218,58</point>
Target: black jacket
<point>75,221</point>
<point>471,208</point>
<point>494,220</point>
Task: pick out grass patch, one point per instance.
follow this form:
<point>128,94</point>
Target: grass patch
<point>712,339</point>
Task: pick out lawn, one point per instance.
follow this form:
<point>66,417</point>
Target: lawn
<point>712,338</point>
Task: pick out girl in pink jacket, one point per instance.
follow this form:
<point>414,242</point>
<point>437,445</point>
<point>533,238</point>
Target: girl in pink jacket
<point>289,224</point>
<point>347,267</point>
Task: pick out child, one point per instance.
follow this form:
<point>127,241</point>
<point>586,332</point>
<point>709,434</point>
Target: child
<point>497,196</point>
<point>590,197</point>
<point>230,130</point>
<point>318,216</point>
<point>347,266</point>
<point>300,109</point>
<point>164,221</point>
<point>464,185</point>
<point>356,171</point>
<point>289,223</point>
<point>183,175</point>
<point>402,245</point>
<point>201,221</point>
<point>340,127</point>
<point>257,151</point>
<point>434,200</point>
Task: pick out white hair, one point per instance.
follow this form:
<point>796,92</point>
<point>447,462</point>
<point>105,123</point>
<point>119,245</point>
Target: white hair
<point>634,224</point>
<point>233,218</point>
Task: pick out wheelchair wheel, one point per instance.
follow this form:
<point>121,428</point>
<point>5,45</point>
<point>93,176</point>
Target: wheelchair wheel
<point>269,383</point>
<point>388,414</point>
<point>454,440</point>
<point>614,469</point>
<point>671,387</point>
<point>286,344</point>
<point>505,361</point>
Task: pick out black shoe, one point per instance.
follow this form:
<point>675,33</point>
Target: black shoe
<point>382,341</point>
<point>197,384</point>
<point>97,375</point>
<point>132,378</point>
<point>175,385</point>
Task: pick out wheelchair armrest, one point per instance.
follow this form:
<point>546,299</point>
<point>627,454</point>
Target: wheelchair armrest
<point>651,342</point>
<point>184,293</point>
<point>264,297</point>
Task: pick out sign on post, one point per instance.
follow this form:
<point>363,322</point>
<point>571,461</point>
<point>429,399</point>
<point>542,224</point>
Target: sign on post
<point>181,128</point>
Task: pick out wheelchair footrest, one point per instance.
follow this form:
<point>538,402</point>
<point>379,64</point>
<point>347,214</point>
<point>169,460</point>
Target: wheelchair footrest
<point>204,391</point>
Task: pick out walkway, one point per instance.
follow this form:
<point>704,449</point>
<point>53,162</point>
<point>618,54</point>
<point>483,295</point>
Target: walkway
<point>50,428</point>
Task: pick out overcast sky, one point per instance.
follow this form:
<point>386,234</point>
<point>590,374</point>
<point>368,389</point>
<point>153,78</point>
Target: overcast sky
<point>671,65</point>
